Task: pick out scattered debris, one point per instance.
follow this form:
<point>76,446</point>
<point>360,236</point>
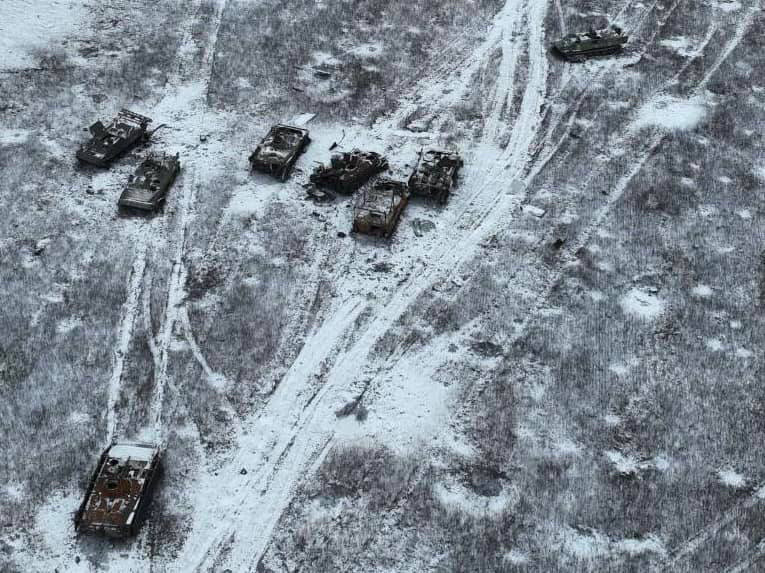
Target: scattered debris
<point>532,210</point>
<point>422,226</point>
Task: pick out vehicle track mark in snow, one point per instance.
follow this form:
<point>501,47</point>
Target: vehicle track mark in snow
<point>240,504</point>
<point>125,334</point>
<point>196,99</point>
<point>694,543</point>
<point>300,436</point>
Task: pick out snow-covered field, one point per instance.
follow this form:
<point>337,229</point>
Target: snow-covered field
<point>559,370</point>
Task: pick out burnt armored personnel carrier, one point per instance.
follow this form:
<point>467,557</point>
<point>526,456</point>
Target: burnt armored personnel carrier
<point>348,171</point>
<point>120,490</point>
<point>123,133</point>
<point>577,47</point>
<point>279,150</point>
<point>378,208</point>
<point>434,174</point>
<point>148,187</point>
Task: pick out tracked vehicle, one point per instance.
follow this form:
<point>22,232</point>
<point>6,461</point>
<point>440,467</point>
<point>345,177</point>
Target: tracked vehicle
<point>148,187</point>
<point>434,174</point>
<point>348,171</point>
<point>120,490</point>
<point>109,142</point>
<point>379,207</point>
<point>578,47</point>
<point>278,151</point>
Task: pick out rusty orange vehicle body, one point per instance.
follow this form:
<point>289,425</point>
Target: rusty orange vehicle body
<point>120,490</point>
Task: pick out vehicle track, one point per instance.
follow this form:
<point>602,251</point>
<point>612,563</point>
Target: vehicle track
<point>125,334</point>
<point>303,438</point>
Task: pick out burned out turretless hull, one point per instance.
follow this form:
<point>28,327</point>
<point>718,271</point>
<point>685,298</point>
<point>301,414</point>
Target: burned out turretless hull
<point>108,143</point>
<point>348,171</point>
<point>576,47</point>
<point>148,187</point>
<point>434,175</point>
<point>120,490</point>
<point>278,151</point>
<point>378,208</point>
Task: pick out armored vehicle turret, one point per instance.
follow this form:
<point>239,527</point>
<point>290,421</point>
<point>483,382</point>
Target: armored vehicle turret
<point>148,187</point>
<point>123,133</point>
<point>434,174</point>
<point>120,490</point>
<point>348,171</point>
<point>577,47</point>
<point>278,151</point>
<point>379,207</point>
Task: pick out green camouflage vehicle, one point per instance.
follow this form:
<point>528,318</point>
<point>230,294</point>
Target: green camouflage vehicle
<point>577,47</point>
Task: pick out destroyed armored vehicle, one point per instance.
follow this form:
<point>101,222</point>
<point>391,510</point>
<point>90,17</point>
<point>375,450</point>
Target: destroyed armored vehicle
<point>120,490</point>
<point>379,207</point>
<point>279,150</point>
<point>577,47</point>
<point>434,174</point>
<point>147,188</point>
<point>123,133</point>
<point>348,171</point>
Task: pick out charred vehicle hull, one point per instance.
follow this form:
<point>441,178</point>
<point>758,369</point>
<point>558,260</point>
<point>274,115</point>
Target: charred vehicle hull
<point>148,187</point>
<point>120,490</point>
<point>278,151</point>
<point>379,208</point>
<point>434,175</point>
<point>577,47</point>
<point>348,171</point>
<point>109,142</point>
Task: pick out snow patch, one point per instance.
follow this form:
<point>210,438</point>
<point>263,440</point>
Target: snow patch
<point>714,344</point>
<point>642,304</point>
<point>680,45</point>
<point>744,353</point>
<point>28,25</point>
<point>634,547</point>
<point>731,478</point>
<point>702,291</point>
<point>727,5</point>
<point>670,113</point>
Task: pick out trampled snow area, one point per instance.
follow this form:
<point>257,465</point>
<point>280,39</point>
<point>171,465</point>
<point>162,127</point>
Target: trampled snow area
<point>671,113</point>
<point>28,25</point>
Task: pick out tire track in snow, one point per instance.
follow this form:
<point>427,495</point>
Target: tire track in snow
<point>125,334</point>
<point>193,94</point>
<point>299,440</point>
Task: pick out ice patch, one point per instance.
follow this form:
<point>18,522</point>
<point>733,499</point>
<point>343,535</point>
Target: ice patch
<point>642,304</point>
<point>702,291</point>
<point>731,478</point>
<point>596,295</point>
<point>612,419</point>
<point>567,447</point>
<point>745,214</point>
<point>671,113</point>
